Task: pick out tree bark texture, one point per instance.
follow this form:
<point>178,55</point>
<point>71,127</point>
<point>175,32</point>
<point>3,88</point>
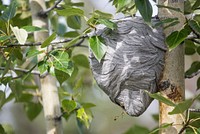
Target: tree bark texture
<point>50,98</point>
<point>172,83</point>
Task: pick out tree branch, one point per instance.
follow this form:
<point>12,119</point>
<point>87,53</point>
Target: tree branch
<point>34,44</point>
<point>78,43</point>
<point>22,70</point>
<point>26,71</point>
<point>40,43</point>
<point>45,12</point>
<point>192,75</point>
<point>184,127</point>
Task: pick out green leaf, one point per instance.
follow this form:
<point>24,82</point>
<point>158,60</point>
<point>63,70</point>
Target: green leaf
<point>197,18</point>
<point>61,29</point>
<point>190,47</point>
<point>9,13</point>
<point>33,53</point>
<point>70,11</point>
<point>43,66</point>
<point>189,51</point>
<point>17,52</point>
<point>33,110</point>
<point>87,105</point>
<point>162,126</point>
<point>8,66</point>
<point>10,97</point>
<point>182,107</point>
<point>8,129</point>
<point>98,47</point>
<point>176,37</point>
<point>102,15</point>
<point>2,131</point>
<point>48,40</point>
<point>69,105</point>
<point>107,23</point>
<point>161,98</point>
<point>61,62</point>
<point>20,34</point>
<point>145,9</point>
<point>97,15</point>
<point>4,38</point>
<point>71,34</point>
<point>78,84</point>
<point>77,4</point>
<point>83,117</point>
<point>74,22</point>
<point>171,8</point>
<point>137,130</point>
<point>195,66</point>
<point>5,80</point>
<point>195,26</point>
<point>15,85</point>
<point>61,76</point>
<point>19,96</point>
<point>165,21</point>
<point>193,116</point>
<point>198,50</point>
<point>24,97</point>
<point>198,83</point>
<point>81,60</point>
<point>72,42</point>
<point>171,24</point>
<point>125,6</point>
<point>121,4</point>
<point>80,126</point>
<point>187,7</point>
<point>196,5</point>
<point>155,117</point>
<point>33,28</point>
<point>2,98</point>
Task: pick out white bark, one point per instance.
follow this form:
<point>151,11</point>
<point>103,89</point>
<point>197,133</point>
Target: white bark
<point>174,70</point>
<point>50,99</point>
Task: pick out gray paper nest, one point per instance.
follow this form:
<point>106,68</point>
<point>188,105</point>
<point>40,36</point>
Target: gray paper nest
<point>133,63</point>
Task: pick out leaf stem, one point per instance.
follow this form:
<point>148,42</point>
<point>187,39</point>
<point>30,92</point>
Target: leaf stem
<point>192,75</point>
<point>34,44</point>
<point>45,12</point>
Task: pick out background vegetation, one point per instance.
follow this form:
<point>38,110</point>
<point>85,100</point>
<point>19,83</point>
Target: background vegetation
<point>67,61</point>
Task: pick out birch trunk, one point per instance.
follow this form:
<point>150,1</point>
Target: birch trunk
<point>172,83</point>
<point>50,99</point>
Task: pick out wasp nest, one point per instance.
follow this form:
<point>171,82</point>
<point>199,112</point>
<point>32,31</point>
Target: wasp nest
<point>133,63</point>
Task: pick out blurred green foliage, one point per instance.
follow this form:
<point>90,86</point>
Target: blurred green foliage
<point>19,64</point>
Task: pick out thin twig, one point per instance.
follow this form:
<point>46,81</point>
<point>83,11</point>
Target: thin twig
<point>26,71</point>
<point>22,70</point>
<point>192,75</point>
<point>78,43</point>
<point>34,44</point>
<point>184,127</point>
<point>45,12</point>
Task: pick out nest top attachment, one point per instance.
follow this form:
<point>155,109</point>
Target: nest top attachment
<point>133,63</point>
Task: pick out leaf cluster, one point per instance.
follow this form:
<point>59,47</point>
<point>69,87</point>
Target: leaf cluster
<point>19,61</point>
